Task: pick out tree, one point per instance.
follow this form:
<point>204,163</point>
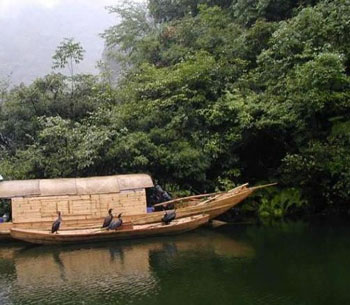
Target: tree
<point>124,40</point>
<point>4,87</point>
<point>216,93</point>
<point>247,12</point>
<point>168,10</point>
<point>67,54</point>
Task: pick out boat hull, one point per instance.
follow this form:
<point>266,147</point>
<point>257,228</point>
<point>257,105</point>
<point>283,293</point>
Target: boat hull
<point>213,209</point>
<point>96,235</point>
<point>221,204</point>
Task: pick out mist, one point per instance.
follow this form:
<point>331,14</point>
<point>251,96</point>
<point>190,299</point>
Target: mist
<point>30,31</point>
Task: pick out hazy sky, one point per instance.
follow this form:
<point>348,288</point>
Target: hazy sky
<point>30,31</point>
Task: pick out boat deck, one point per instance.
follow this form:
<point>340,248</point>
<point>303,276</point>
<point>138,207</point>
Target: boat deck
<point>91,235</point>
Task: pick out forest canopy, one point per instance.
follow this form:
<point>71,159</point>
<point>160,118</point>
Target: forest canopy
<point>211,94</point>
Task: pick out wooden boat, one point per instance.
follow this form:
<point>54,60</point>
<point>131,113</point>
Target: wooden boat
<point>128,231</point>
<point>213,204</point>
<point>5,228</point>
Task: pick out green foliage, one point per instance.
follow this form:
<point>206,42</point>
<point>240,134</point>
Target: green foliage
<point>62,149</point>
<point>323,166</point>
<point>68,53</point>
<point>281,203</point>
<point>168,10</point>
<point>5,207</point>
<point>4,87</point>
<point>48,96</point>
<point>213,94</point>
<point>164,11</point>
<point>125,39</point>
<point>249,11</point>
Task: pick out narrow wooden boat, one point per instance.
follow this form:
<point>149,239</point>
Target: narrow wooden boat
<point>213,204</point>
<point>128,231</point>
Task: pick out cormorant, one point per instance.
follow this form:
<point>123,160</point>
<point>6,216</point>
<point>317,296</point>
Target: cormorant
<point>57,223</point>
<point>108,219</point>
<point>115,223</point>
<point>169,217</point>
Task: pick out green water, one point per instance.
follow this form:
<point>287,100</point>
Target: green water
<point>285,264</point>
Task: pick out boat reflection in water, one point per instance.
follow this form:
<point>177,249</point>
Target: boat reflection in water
<point>112,266</point>
<point>123,269</point>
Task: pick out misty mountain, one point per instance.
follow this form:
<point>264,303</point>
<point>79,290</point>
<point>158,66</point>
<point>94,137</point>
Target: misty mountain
<point>31,30</point>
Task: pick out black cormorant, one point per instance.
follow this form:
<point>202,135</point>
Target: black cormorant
<point>115,223</point>
<point>108,219</point>
<point>168,217</point>
<point>57,223</point>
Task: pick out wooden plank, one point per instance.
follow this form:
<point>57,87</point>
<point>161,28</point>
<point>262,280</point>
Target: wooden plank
<point>184,198</point>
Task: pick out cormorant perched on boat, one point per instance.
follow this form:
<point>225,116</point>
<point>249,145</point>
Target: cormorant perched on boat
<point>56,224</point>
<point>115,223</point>
<point>168,217</point>
<point>108,219</point>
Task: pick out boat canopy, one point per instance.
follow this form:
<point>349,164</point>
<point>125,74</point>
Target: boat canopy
<point>74,186</point>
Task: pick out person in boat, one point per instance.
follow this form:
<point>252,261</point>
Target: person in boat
<point>115,223</point>
<point>5,209</point>
<point>169,216</point>
<point>162,195</point>
<point>158,195</point>
<point>108,219</point>
<point>56,224</point>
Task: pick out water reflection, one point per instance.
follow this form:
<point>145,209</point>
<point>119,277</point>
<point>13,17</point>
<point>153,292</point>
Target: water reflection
<point>7,272</point>
<point>278,265</point>
<point>37,268</point>
<point>123,270</point>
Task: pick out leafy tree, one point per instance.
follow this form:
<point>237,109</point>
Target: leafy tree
<point>169,10</point>
<point>67,54</point>
<point>248,12</point>
<point>122,40</point>
<point>46,97</point>
<point>214,93</point>
<point>4,87</point>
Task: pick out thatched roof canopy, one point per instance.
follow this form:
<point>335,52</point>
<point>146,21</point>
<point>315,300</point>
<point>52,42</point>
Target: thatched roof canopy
<point>74,186</point>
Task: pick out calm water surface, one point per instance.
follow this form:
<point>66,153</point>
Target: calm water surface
<point>290,264</point>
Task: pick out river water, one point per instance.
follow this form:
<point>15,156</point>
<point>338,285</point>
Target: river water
<point>284,264</point>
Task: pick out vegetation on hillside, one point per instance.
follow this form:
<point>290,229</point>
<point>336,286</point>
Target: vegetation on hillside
<point>213,94</point>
